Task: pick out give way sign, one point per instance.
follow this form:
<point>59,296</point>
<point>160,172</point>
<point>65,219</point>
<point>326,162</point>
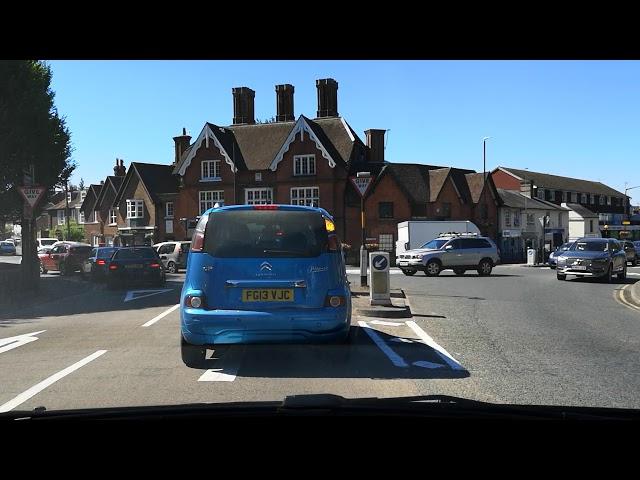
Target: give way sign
<point>32,194</point>
<point>362,184</point>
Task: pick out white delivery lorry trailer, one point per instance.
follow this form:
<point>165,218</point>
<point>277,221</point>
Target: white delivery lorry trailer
<point>415,233</point>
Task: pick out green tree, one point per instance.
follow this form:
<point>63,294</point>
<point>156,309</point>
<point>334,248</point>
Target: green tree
<point>76,232</point>
<point>33,138</point>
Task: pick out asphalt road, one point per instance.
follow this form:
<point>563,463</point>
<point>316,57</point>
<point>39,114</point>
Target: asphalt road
<point>519,336</point>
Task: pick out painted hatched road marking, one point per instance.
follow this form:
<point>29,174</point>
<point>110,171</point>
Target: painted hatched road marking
<point>27,394</point>
<point>396,359</point>
<point>138,294</point>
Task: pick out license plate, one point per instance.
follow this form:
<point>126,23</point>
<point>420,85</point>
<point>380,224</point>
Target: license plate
<point>135,265</point>
<point>578,267</point>
<point>403,264</point>
<point>267,295</point>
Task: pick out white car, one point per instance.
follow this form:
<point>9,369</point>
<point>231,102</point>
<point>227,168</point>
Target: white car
<point>45,242</point>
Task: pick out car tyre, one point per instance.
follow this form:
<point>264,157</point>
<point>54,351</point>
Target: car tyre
<point>561,276</point>
<point>634,262</point>
<point>42,269</point>
<point>459,271</point>
<point>171,267</point>
<point>409,272</point>
<point>609,275</point>
<point>433,269</point>
<point>193,356</point>
<point>485,267</point>
<point>63,269</point>
<point>623,274</point>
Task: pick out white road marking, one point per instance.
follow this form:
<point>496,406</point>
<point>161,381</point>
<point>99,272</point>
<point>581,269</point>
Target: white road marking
<point>388,324</point>
<point>634,274</point>
<point>161,316</point>
<point>453,363</point>
<point>26,395</point>
<point>396,359</point>
<point>131,294</point>
<point>228,373</point>
<point>356,271</point>
<point>405,340</point>
<point>425,364</point>
<point>10,343</point>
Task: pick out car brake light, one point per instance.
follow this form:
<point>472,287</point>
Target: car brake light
<point>193,301</point>
<point>113,267</point>
<point>101,262</point>
<point>265,207</point>
<point>154,265</point>
<point>334,301</point>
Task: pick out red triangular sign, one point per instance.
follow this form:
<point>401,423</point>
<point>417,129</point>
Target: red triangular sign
<point>32,194</point>
<point>361,184</point>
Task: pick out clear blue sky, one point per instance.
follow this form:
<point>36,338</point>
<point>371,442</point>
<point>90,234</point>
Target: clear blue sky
<point>579,119</point>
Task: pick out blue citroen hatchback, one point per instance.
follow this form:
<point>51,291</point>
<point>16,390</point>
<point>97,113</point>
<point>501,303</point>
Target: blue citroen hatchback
<point>263,274</point>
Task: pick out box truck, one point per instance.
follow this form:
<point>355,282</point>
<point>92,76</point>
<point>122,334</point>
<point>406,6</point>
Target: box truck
<point>415,233</point>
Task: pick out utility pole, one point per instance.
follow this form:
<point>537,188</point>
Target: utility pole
<point>66,210</point>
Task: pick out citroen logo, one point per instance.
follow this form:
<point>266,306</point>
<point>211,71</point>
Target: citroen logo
<point>265,266</point>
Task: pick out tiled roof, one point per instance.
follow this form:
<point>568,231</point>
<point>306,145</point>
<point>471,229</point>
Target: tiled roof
<point>581,210</point>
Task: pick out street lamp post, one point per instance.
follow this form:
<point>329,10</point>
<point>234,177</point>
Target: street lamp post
<point>363,250</point>
<point>626,200</point>
<point>485,211</point>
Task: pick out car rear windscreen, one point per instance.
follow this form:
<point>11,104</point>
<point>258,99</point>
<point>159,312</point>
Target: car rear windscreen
<point>106,252</point>
<point>265,233</point>
<point>135,254</point>
<point>48,242</point>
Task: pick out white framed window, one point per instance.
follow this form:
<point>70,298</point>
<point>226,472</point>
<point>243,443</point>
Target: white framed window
<point>385,242</point>
<point>60,217</point>
<point>541,193</point>
<point>258,196</point>
<point>95,216</point>
<point>210,170</point>
<point>583,198</point>
<point>80,216</point>
<point>602,198</point>
<point>507,218</point>
<point>516,218</point>
<point>135,208</point>
<point>112,216</point>
<point>304,165</point>
<point>68,197</point>
<point>169,209</point>
<point>309,196</point>
<point>209,199</point>
<point>258,176</point>
<point>83,194</point>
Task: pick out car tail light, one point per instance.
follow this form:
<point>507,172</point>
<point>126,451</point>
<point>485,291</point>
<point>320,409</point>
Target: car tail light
<point>197,243</point>
<point>113,266</point>
<point>100,262</point>
<point>265,207</point>
<point>194,301</point>
<point>334,244</point>
<point>335,301</point>
<point>154,265</point>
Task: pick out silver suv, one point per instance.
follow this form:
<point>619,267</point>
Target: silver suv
<point>453,251</point>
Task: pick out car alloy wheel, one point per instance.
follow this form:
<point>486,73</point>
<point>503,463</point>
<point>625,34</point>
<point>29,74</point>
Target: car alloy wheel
<point>623,274</point>
<point>433,269</point>
<point>485,267</point>
<point>409,272</point>
<point>171,267</point>
<point>561,276</point>
<point>609,275</point>
<point>42,269</point>
<point>63,269</point>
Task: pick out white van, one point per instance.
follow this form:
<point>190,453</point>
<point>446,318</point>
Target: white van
<point>45,242</point>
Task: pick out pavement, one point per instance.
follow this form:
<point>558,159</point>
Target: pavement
<point>517,336</point>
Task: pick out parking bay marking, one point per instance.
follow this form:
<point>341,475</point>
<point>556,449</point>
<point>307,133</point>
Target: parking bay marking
<point>10,343</point>
<point>446,356</point>
<point>161,316</point>
<point>227,373</point>
<point>27,394</point>
<point>396,359</point>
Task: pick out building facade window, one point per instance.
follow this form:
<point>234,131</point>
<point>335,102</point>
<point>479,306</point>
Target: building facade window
<point>385,242</point>
<point>593,200</point>
<point>209,199</point>
<point>169,210</point>
<point>83,194</point>
<point>541,193</point>
<point>530,219</point>
<point>583,198</point>
<point>112,216</point>
<point>602,199</point>
<point>258,176</point>
<point>304,165</point>
<point>590,226</point>
<point>507,218</point>
<point>80,216</point>
<point>516,218</point>
<point>309,196</point>
<point>385,209</point>
<point>210,170</point>
<point>258,196</point>
<point>135,208</point>
<point>60,217</point>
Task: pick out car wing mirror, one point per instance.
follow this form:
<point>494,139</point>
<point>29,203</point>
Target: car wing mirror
<point>449,247</point>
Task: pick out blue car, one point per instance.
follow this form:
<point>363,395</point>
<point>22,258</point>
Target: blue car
<point>263,274</point>
<point>553,258</point>
<point>7,248</point>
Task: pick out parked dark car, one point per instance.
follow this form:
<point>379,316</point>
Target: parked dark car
<point>593,257</point>
<point>630,251</point>
<point>553,258</point>
<point>65,257</point>
<point>95,267</point>
<point>134,265</point>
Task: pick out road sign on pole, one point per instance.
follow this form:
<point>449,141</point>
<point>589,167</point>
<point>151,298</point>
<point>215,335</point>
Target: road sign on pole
<point>32,194</point>
<point>361,184</point>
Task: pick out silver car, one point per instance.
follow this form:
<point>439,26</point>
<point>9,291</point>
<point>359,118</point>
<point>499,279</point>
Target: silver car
<point>457,252</point>
<point>173,255</point>
<point>593,257</point>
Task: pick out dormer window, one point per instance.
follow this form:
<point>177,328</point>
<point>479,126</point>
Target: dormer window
<point>210,171</point>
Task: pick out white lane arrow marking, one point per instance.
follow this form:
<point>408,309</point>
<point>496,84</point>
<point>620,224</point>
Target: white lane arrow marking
<point>137,294</point>
<point>388,324</point>
<point>10,343</point>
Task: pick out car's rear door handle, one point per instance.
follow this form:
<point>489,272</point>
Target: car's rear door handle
<point>207,268</point>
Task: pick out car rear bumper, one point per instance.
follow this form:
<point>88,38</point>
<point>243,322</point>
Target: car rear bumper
<point>209,327</point>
